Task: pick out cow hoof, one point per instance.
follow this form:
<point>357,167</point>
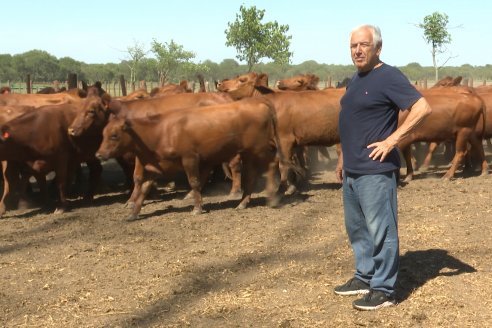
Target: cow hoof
<point>235,195</point>
<point>59,211</point>
<point>189,195</point>
<point>274,202</point>
<point>241,206</point>
<point>197,212</point>
<point>408,179</point>
<point>291,190</point>
<point>132,217</point>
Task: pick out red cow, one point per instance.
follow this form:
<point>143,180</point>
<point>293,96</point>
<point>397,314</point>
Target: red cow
<point>195,140</point>
<point>94,115</point>
<point>40,135</point>
<point>455,114</point>
<point>307,118</point>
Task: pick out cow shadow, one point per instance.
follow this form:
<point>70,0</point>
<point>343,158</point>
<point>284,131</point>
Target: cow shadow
<point>418,267</point>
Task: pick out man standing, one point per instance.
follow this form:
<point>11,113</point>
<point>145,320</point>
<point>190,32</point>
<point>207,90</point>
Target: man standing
<point>369,166</point>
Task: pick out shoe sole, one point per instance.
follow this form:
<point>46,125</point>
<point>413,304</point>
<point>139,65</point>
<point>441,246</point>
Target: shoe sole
<point>372,308</point>
<point>353,292</point>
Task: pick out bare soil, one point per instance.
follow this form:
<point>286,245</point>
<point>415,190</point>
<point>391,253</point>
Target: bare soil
<point>258,267</point>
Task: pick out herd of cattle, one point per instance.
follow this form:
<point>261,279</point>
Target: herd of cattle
<point>245,128</point>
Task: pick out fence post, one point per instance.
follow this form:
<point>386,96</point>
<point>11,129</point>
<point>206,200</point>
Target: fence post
<point>28,83</point>
<point>425,83</point>
<point>122,85</point>
<point>72,81</point>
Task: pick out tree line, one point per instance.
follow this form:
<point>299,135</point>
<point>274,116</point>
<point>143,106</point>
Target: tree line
<point>44,67</point>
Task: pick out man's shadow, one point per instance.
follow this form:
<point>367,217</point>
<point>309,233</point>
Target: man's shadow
<point>418,267</point>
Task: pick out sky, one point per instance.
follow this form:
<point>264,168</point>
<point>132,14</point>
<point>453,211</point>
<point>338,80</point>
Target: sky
<point>102,31</point>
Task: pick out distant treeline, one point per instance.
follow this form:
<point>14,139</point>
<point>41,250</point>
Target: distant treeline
<point>41,66</point>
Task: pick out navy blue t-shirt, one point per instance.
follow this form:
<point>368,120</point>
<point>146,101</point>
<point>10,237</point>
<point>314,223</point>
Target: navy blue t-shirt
<point>369,114</point>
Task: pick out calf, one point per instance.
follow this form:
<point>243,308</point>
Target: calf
<point>194,140</point>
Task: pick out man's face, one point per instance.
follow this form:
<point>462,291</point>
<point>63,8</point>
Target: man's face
<point>364,53</point>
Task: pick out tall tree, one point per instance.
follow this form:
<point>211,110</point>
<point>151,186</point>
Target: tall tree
<point>436,33</point>
<point>135,55</point>
<point>255,40</point>
<point>171,57</point>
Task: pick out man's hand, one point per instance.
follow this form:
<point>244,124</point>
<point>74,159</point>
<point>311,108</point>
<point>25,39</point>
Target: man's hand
<point>381,149</point>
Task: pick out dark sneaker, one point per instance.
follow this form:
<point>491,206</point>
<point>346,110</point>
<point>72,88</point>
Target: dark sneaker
<point>374,300</point>
<point>352,287</point>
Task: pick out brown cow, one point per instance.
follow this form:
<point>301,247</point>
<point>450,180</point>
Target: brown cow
<point>170,89</point>
<point>37,100</point>
<point>302,82</point>
<point>16,174</point>
<point>195,140</point>
<point>40,135</point>
<point>95,113</point>
<point>455,114</point>
<point>304,118</point>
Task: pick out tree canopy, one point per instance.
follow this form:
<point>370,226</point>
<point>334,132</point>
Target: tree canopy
<point>436,33</point>
<point>255,40</point>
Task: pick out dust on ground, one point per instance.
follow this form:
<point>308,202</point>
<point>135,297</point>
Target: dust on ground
<point>258,267</point>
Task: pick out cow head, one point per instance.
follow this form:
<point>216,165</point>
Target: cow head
<point>92,116</point>
<point>116,138</point>
<point>243,85</point>
<point>299,83</point>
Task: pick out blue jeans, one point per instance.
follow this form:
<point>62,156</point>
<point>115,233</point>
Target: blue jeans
<point>371,215</point>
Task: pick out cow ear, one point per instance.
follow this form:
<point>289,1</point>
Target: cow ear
<point>127,125</point>
<point>106,100</point>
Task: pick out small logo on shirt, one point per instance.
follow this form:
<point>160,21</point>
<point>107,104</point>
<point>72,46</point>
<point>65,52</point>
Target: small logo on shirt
<point>366,92</point>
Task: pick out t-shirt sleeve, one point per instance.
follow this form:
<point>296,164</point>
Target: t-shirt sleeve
<point>401,92</point>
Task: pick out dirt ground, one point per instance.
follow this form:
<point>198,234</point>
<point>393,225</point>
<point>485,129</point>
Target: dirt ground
<point>259,267</point>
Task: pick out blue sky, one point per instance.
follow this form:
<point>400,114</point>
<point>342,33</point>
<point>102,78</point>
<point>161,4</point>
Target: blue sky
<point>101,31</point>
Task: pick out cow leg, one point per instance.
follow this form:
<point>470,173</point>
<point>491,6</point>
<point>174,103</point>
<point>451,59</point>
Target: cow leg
<point>138,174</point>
<point>128,169</point>
<point>196,179</point>
<point>273,197</point>
<point>248,179</point>
<point>286,182</point>
<point>461,143</point>
<point>407,155</point>
<point>428,156</point>
<point>477,146</point>
<point>95,171</point>
<point>63,167</point>
<point>10,176</point>
<point>143,191</point>
<point>235,167</point>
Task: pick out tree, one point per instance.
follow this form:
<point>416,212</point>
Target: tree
<point>170,56</point>
<point>254,40</point>
<point>38,63</point>
<point>135,55</point>
<point>436,33</point>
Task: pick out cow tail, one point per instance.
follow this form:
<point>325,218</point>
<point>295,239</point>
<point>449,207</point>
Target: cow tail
<point>484,114</point>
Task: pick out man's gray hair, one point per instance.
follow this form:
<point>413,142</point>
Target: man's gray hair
<point>376,34</point>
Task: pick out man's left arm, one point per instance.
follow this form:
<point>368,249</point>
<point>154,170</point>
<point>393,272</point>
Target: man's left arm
<point>417,112</point>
